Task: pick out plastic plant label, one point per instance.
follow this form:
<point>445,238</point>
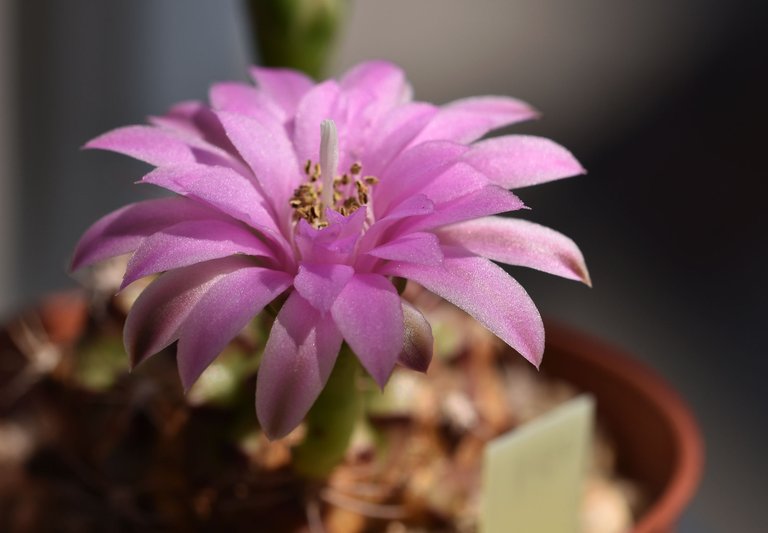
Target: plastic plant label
<point>533,476</point>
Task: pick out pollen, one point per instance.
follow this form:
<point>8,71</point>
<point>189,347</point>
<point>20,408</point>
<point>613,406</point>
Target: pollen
<point>325,188</point>
<point>350,191</point>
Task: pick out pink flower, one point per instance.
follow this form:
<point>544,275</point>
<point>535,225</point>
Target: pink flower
<point>323,193</point>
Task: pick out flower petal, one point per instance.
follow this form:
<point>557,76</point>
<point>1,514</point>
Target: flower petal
<point>244,99</point>
<point>317,105</point>
<point>265,146</point>
<point>154,320</point>
<point>180,118</point>
<point>354,112</point>
<point>469,119</point>
<point>190,242</point>
<point>225,309</point>
<point>369,315</point>
<point>332,244</point>
<point>457,181</point>
<point>486,292</point>
<point>488,200</point>
<point>194,124</point>
<point>396,131</point>
<point>412,171</point>
<point>298,358</point>
<point>284,86</point>
<point>123,230</point>
<point>145,143</point>
<point>418,343</point>
<point>418,247</point>
<point>519,242</point>
<point>415,206</point>
<point>385,80</point>
<point>516,161</point>
<point>220,187</point>
<point>320,284</point>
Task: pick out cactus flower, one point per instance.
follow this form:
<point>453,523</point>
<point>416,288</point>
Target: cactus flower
<point>319,196</point>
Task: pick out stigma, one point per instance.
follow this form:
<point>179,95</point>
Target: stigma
<point>329,158</point>
<point>325,188</point>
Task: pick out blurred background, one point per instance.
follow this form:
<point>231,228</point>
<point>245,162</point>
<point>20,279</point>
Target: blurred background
<point>663,102</point>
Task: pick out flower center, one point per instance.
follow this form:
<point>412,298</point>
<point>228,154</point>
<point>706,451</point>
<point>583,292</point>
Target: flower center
<point>324,188</point>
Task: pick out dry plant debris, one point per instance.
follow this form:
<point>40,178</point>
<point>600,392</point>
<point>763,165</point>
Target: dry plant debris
<point>84,446</point>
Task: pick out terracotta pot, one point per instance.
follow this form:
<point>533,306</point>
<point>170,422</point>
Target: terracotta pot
<point>657,438</point>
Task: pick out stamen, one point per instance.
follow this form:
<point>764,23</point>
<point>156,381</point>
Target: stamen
<point>329,159</point>
<point>325,189</point>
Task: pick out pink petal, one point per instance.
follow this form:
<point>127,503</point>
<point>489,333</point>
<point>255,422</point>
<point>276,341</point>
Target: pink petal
<point>245,100</point>
<point>220,187</point>
<point>457,181</point>
<point>225,309</point>
<point>489,200</point>
<point>486,292</point>
<point>298,358</point>
<point>516,161</point>
<point>194,124</point>
<point>320,284</point>
<point>519,242</point>
<point>415,206</point>
<point>469,119</point>
<point>369,315</point>
<point>180,118</point>
<point>123,230</point>
<point>190,242</point>
<point>386,81</point>
<point>155,318</point>
<point>146,143</point>
<point>265,146</point>
<point>421,248</point>
<point>284,86</point>
<point>333,244</point>
<point>418,343</point>
<point>353,113</point>
<point>317,105</point>
<point>413,170</point>
<point>396,131</point>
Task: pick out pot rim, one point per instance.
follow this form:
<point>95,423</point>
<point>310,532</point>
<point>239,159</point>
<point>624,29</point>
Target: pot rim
<point>670,406</point>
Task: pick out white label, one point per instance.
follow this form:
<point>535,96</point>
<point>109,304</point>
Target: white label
<point>533,476</point>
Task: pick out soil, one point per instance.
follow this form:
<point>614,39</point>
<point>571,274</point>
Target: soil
<point>87,446</point>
